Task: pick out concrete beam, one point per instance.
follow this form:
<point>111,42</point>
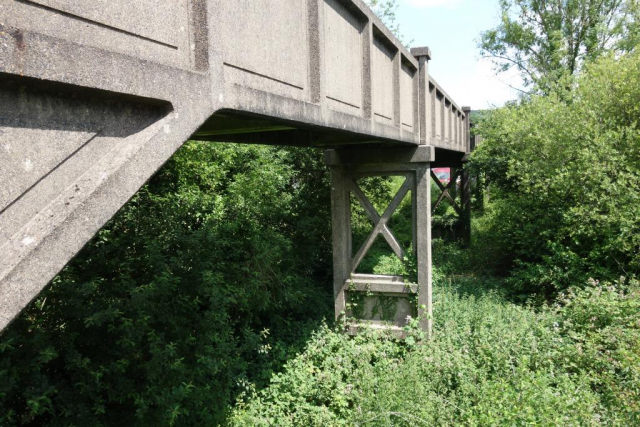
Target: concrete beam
<point>383,155</point>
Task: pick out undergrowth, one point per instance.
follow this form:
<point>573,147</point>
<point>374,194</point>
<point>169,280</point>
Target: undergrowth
<point>490,362</point>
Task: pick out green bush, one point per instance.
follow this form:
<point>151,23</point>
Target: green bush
<point>202,285</point>
<point>490,363</point>
<point>603,322</point>
<point>565,176</point>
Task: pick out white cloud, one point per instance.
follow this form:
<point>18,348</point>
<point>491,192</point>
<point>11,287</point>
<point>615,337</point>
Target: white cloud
<point>423,4</point>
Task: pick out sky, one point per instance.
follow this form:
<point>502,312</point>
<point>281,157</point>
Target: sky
<point>451,29</point>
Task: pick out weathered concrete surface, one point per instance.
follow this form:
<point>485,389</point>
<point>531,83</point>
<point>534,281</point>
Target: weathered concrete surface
<point>96,95</point>
<point>86,117</point>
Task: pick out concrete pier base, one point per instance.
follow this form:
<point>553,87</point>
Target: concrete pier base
<point>347,165</point>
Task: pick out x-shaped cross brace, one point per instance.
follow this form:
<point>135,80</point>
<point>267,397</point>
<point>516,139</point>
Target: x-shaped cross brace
<point>445,192</point>
<point>379,222</point>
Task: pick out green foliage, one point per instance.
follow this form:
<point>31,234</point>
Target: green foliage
<point>320,387</point>
<point>490,363</point>
<point>476,116</point>
<point>565,176</point>
<point>386,11</point>
<point>548,41</point>
<point>198,289</point>
<point>603,321</point>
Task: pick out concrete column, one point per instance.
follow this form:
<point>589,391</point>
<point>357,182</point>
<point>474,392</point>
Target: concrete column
<point>341,235</point>
<point>465,185</point>
<point>422,220</point>
<point>423,55</point>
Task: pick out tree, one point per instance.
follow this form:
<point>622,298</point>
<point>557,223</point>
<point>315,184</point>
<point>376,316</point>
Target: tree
<point>548,41</point>
<point>199,288</point>
<point>565,177</point>
<point>386,11</point>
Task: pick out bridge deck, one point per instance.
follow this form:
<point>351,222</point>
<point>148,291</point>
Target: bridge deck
<point>96,95</point>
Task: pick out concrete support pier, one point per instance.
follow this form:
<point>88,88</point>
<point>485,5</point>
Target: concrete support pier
<point>347,166</point>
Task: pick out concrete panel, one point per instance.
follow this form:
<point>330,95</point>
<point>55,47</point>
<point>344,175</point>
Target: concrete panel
<point>432,111</point>
<point>149,19</point>
<point>454,127</point>
<point>156,31</point>
<point>407,97</point>
<point>382,308</point>
<point>461,132</point>
<point>447,119</point>
<point>446,134</point>
<point>28,155</point>
<point>269,49</point>
<point>459,129</point>
<point>383,77</point>
<point>337,95</point>
<point>439,116</point>
<point>343,57</point>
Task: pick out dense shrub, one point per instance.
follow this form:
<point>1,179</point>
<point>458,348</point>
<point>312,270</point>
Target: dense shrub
<point>565,176</point>
<point>603,321</point>
<point>204,283</point>
<point>490,363</point>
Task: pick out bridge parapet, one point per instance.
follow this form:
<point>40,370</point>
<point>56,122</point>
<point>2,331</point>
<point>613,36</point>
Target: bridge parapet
<point>310,65</point>
<point>328,63</point>
<point>448,127</point>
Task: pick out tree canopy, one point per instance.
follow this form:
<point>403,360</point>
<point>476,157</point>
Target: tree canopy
<point>386,11</point>
<point>548,41</point>
<point>565,174</point>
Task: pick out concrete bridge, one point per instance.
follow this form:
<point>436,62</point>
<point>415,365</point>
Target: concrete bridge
<point>95,95</point>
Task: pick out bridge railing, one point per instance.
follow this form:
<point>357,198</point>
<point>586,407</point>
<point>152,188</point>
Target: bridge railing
<point>329,63</point>
<point>447,123</point>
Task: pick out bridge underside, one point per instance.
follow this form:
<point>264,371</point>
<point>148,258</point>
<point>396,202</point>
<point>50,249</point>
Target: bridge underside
<point>93,101</point>
<point>231,126</point>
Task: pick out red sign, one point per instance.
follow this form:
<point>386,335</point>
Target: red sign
<point>443,174</point>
